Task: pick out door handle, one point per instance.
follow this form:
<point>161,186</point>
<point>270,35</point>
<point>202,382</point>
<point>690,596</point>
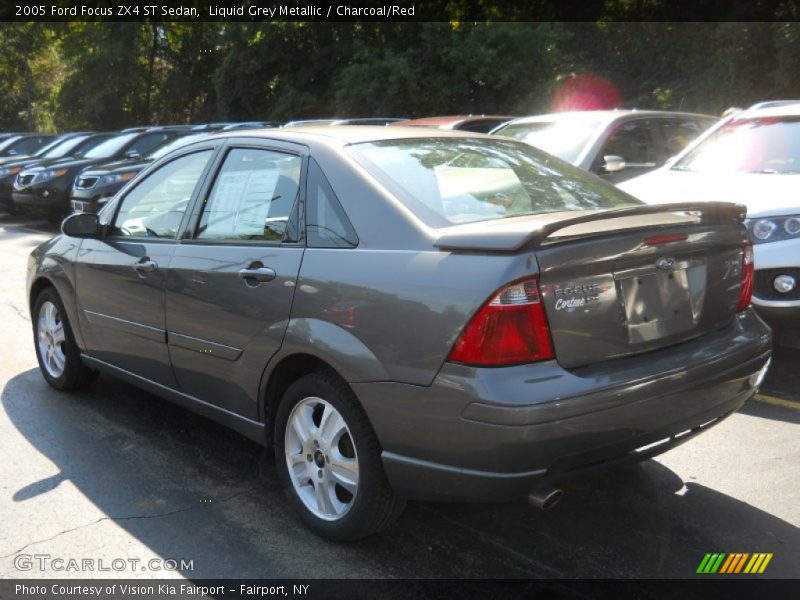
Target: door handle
<point>145,266</point>
<point>254,274</point>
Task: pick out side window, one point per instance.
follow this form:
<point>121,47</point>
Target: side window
<point>633,141</point>
<point>327,226</point>
<point>146,143</point>
<point>29,145</point>
<point>677,133</point>
<point>155,207</point>
<point>252,197</point>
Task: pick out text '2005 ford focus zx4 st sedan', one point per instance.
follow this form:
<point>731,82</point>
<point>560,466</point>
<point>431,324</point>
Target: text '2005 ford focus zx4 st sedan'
<point>406,314</point>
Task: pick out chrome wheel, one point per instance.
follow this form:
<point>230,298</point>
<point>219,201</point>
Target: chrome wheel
<point>51,340</point>
<point>321,458</point>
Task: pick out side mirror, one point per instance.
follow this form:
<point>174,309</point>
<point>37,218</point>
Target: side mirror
<point>81,225</point>
<point>613,164</point>
<point>132,154</point>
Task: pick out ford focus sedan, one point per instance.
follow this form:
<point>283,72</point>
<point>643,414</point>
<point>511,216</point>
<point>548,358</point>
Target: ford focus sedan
<point>405,313</point>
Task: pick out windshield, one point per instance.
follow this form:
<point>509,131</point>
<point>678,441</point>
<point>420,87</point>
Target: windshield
<point>758,145</point>
<point>175,143</point>
<point>6,143</point>
<point>447,181</point>
<point>564,138</point>
<point>62,148</point>
<point>110,147</point>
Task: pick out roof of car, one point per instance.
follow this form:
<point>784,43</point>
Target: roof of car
<point>446,121</point>
<point>782,108</point>
<point>606,115</point>
<point>345,134</point>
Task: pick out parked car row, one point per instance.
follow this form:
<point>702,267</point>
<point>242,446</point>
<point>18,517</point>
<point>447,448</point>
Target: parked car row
<point>53,175</point>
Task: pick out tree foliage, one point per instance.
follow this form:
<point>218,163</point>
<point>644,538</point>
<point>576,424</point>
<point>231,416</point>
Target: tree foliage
<point>109,75</point>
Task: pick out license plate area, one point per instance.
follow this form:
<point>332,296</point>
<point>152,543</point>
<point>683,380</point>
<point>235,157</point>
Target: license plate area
<point>662,303</point>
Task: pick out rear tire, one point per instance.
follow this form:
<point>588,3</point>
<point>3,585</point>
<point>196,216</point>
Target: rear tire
<point>58,355</point>
<point>328,459</point>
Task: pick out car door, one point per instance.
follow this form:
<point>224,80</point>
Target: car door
<point>629,150</point>
<point>120,278</point>
<point>231,281</point>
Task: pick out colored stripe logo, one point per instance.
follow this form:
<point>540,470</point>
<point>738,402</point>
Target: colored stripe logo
<point>737,562</point>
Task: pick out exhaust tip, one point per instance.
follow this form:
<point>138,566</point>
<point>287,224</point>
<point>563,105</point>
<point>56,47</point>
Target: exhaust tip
<point>545,498</point>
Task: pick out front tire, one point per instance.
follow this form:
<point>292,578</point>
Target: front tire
<point>58,355</point>
<point>328,458</point>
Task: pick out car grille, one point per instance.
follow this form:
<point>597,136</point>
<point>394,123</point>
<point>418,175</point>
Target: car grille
<point>25,179</point>
<point>763,284</point>
<point>84,183</point>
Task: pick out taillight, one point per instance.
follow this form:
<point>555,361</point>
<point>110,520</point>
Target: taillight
<point>510,328</point>
<point>748,274</point>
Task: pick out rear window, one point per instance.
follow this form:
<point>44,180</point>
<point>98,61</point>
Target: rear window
<point>447,181</point>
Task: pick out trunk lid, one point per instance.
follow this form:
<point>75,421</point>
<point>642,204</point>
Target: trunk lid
<point>622,282</point>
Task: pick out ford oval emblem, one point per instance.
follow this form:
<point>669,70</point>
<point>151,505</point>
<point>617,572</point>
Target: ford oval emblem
<point>665,263</point>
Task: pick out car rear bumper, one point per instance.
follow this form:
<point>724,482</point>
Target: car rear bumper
<point>497,434</point>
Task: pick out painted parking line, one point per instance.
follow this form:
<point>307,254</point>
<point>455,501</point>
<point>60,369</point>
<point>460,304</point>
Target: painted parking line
<point>777,401</point>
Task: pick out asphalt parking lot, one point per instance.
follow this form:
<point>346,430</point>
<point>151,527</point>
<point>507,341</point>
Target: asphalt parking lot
<point>116,473</point>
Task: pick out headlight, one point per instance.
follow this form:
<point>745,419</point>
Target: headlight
<point>764,228</point>
<point>774,229</point>
<point>50,174</point>
<point>116,178</point>
<point>792,225</point>
<point>9,171</point>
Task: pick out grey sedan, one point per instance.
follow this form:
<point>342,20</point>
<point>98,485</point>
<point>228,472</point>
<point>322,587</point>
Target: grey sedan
<point>406,313</point>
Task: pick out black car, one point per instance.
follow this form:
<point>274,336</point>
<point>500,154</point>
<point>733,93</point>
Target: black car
<point>45,189</point>
<point>67,145</point>
<point>96,184</point>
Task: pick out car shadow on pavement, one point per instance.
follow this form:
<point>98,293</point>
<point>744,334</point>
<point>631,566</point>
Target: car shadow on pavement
<point>29,222</point>
<point>190,489</point>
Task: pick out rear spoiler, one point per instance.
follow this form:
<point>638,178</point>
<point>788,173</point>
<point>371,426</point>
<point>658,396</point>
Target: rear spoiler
<point>503,240</point>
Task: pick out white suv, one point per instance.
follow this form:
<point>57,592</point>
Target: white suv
<point>752,158</point>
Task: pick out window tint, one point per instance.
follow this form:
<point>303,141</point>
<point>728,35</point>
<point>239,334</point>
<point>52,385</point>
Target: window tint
<point>327,225</point>
<point>677,133</point>
<point>634,143</point>
<point>28,146</point>
<point>147,143</point>
<point>155,207</point>
<point>252,196</point>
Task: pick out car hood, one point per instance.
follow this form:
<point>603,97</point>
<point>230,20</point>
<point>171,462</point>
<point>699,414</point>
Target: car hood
<point>120,166</point>
<point>7,160</point>
<point>764,195</point>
